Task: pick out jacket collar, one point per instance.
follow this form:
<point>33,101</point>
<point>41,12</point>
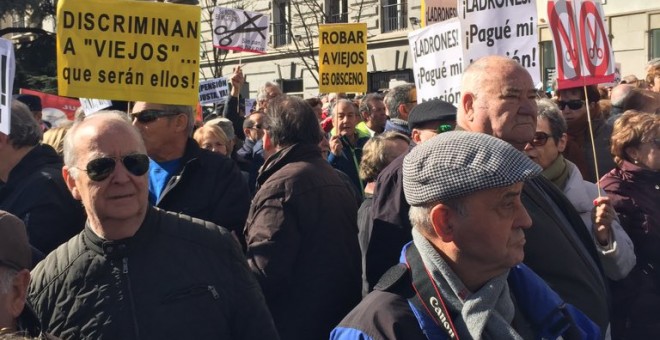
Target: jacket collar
<point>122,248</point>
<point>285,156</point>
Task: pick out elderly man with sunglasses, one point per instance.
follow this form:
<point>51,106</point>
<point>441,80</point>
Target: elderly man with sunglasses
<point>136,271</point>
<point>185,178</point>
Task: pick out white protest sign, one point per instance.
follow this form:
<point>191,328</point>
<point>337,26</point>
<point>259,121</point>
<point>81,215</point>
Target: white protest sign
<point>438,11</point>
<point>249,104</point>
<point>438,61</point>
<point>7,69</point>
<point>213,90</point>
<point>583,54</point>
<point>238,30</point>
<point>505,28</point>
<point>91,105</point>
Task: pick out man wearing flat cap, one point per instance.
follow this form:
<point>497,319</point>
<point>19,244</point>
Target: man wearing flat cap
<point>15,259</point>
<point>389,212</point>
<point>461,276</point>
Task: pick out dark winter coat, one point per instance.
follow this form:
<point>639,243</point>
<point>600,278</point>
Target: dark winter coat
<point>176,278</point>
<point>36,193</point>
<point>635,195</point>
<point>302,243</point>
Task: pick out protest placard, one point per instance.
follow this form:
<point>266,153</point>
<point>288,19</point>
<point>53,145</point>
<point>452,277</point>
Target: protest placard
<point>128,50</point>
<point>7,70</point>
<point>506,28</point>
<point>51,101</point>
<point>249,105</point>
<point>238,30</point>
<point>438,61</point>
<point>438,10</point>
<point>583,54</point>
<point>91,105</point>
<point>343,57</point>
<point>213,91</point>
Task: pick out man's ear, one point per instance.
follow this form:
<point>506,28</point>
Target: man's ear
<point>415,136</point>
<point>70,183</point>
<point>440,216</point>
<point>467,104</point>
<point>181,122</point>
<point>268,144</point>
<point>365,115</point>
<point>18,293</point>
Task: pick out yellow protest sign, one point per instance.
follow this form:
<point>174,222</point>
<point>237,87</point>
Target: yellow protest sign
<point>128,50</point>
<point>343,57</point>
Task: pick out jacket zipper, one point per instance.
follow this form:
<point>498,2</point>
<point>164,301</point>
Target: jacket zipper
<point>130,297</point>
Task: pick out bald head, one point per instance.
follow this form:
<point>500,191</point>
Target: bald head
<point>498,98</point>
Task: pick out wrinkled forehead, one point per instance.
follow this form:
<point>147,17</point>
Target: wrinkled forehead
<point>105,138</point>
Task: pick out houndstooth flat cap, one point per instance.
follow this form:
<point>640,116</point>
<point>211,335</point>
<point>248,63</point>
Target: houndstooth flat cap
<point>457,163</point>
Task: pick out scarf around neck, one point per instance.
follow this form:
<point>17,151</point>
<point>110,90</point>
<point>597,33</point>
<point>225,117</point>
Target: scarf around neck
<point>484,314</point>
<point>557,172</point>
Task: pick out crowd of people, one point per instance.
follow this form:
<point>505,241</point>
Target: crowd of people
<point>513,215</point>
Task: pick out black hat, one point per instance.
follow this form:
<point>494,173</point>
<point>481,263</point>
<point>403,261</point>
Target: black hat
<point>32,101</point>
<point>430,111</point>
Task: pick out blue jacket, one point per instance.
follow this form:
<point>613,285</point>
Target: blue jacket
<point>390,315</point>
<point>349,161</point>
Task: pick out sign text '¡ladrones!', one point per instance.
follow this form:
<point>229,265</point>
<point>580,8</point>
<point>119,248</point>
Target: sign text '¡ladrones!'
<point>130,24</point>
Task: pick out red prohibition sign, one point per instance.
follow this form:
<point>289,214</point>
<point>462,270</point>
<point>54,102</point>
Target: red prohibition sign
<point>595,51</point>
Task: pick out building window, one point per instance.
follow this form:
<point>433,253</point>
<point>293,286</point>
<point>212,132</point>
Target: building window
<point>548,71</point>
<point>281,23</point>
<point>337,11</point>
<point>394,15</point>
<point>654,43</point>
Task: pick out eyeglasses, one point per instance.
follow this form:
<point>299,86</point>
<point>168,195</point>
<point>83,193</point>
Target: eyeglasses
<point>148,116</point>
<point>540,138</point>
<point>444,128</point>
<point>100,168</point>
<point>574,104</point>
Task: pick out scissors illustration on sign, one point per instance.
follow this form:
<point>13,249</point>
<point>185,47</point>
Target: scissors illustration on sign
<point>226,34</point>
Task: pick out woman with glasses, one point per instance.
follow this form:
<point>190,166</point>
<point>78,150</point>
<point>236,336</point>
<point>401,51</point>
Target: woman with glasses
<point>573,107</point>
<point>634,188</point>
<point>614,247</point>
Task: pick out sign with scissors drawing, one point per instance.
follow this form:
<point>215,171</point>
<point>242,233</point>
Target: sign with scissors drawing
<point>238,30</point>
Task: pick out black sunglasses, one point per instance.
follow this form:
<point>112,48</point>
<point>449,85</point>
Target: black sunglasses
<point>574,104</point>
<point>540,138</point>
<point>148,116</point>
<point>100,168</point>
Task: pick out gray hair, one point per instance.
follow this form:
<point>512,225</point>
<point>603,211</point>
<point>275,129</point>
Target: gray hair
<point>24,129</point>
<point>550,111</point>
<point>292,121</point>
<point>377,154</point>
<point>69,150</point>
<point>7,276</point>
<point>188,111</point>
<point>262,94</point>
<point>397,96</point>
<point>420,216</point>
<point>334,105</point>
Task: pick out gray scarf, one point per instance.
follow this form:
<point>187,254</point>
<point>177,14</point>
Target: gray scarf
<point>486,313</point>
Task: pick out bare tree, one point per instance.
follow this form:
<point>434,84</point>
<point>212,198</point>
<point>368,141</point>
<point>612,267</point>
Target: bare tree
<point>303,29</point>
